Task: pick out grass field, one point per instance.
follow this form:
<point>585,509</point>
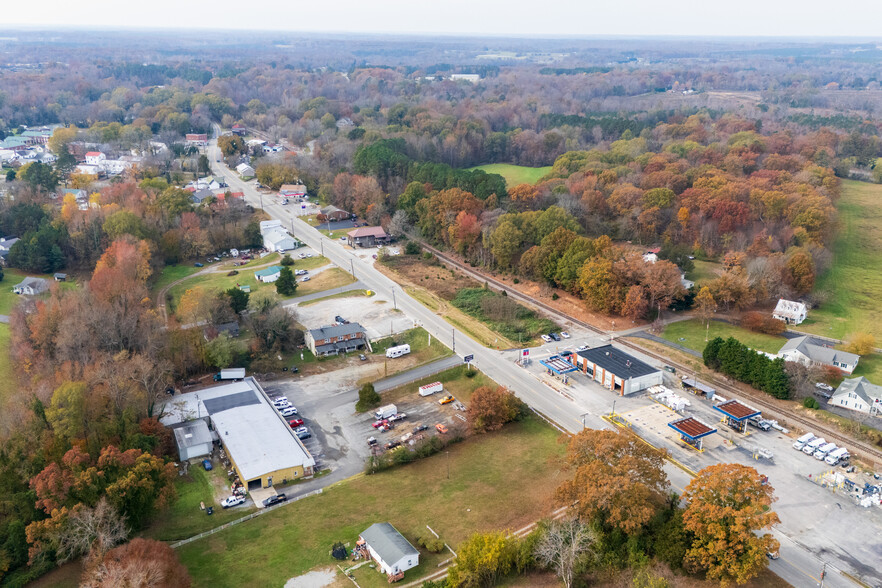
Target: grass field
<point>454,380</point>
<point>515,174</point>
<point>173,273</point>
<point>418,339</point>
<point>327,280</point>
<point>704,271</point>
<point>691,334</point>
<point>485,473</point>
<point>184,518</point>
<point>854,281</point>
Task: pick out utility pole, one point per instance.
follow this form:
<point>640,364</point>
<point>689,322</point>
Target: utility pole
<point>448,464</point>
<point>351,267</point>
<point>454,339</point>
<point>394,303</point>
<point>613,413</point>
<point>823,569</point>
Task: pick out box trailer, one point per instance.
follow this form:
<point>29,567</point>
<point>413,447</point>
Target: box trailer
<point>230,374</point>
<point>800,443</point>
<point>432,388</point>
<point>384,412</point>
<point>822,451</point>
<point>836,456</point>
<point>398,351</point>
<point>813,445</point>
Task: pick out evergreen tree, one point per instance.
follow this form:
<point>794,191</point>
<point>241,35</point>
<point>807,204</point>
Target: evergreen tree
<point>286,285</point>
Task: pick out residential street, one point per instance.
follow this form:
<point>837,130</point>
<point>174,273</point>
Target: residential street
<point>797,564</point>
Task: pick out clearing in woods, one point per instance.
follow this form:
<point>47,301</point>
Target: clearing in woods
<point>515,174</point>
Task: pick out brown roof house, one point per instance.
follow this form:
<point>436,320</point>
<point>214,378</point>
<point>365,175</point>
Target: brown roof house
<point>367,237</point>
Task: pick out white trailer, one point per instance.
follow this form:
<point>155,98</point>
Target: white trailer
<point>230,374</point>
<point>822,451</point>
<point>384,412</point>
<point>432,388</point>
<point>836,456</point>
<point>800,443</point>
<point>813,445</point>
<point>398,351</point>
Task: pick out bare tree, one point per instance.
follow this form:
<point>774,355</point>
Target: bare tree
<point>91,530</point>
<point>564,547</point>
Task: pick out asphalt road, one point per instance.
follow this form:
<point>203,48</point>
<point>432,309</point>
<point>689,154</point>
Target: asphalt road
<point>797,565</point>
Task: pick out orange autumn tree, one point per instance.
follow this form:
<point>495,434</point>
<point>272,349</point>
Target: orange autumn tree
<point>726,505</point>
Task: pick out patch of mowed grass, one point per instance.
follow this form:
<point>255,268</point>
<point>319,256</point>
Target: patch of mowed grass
<point>692,334</point>
<point>503,315</point>
<point>853,284</point>
<point>515,174</point>
<point>457,382</point>
<point>184,517</point>
<point>173,273</point>
<point>418,339</point>
<point>486,472</point>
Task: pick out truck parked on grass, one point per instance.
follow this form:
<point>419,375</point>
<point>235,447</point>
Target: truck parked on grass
<point>432,388</point>
<point>398,351</point>
<point>230,374</point>
<point>384,412</point>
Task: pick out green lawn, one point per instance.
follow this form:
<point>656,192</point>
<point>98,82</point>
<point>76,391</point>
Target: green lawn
<point>691,334</point>
<point>704,271</point>
<point>11,277</point>
<point>485,473</point>
<point>418,339</point>
<point>185,518</point>
<point>508,318</point>
<point>870,367</point>
<point>454,380</point>
<point>854,281</point>
<point>515,174</point>
<point>173,273</point>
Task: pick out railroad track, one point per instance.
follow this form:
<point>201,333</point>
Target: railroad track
<point>869,451</point>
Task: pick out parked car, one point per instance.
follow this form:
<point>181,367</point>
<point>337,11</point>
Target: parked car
<point>582,348</point>
<point>380,423</point>
<point>554,336</point>
<point>206,463</point>
<point>362,357</point>
<point>283,405</point>
<point>564,334</point>
<point>295,423</point>
<point>546,338</point>
<point>372,441</point>
<point>441,428</point>
<point>446,400</point>
<point>823,386</point>
<point>290,411</point>
<point>392,445</point>
<point>341,320</point>
<point>278,498</point>
<point>420,428</point>
<point>300,272</point>
<point>304,435</point>
<point>305,279</point>
<point>232,501</point>
<point>197,264</point>
<point>759,423</point>
<point>280,400</point>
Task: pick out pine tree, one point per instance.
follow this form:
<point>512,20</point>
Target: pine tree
<point>286,285</point>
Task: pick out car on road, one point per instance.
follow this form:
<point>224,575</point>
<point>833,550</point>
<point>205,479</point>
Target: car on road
<point>306,279</point>
<point>232,501</point>
<point>294,423</point>
<point>546,338</point>
<point>290,411</point>
<point>362,357</point>
<point>277,499</point>
<point>301,272</point>
<point>380,423</point>
<point>564,334</point>
<point>582,348</point>
<point>420,428</point>
<point>197,264</point>
<point>554,336</point>
<point>206,463</point>
<point>441,428</point>
<point>397,417</point>
<point>446,400</point>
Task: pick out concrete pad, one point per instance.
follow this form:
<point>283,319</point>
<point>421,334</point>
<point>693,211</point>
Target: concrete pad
<point>261,494</point>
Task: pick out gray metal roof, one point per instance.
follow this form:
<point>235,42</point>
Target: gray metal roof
<point>235,400</point>
<point>861,387</point>
<point>818,351</point>
<point>330,331</point>
<point>618,362</point>
<point>192,433</point>
<point>389,544</point>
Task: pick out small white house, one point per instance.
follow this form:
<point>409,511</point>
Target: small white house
<point>858,394</point>
<point>790,312</point>
<point>392,552</point>
<point>31,286</point>
<point>95,158</point>
<point>269,274</point>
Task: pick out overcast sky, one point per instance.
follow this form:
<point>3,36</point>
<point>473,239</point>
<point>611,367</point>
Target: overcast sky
<point>843,18</point>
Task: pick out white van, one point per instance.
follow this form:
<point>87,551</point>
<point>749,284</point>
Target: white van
<point>822,451</point>
<point>432,388</point>
<point>384,412</point>
<point>836,456</point>
<point>800,443</point>
<point>398,351</point>
<point>813,445</point>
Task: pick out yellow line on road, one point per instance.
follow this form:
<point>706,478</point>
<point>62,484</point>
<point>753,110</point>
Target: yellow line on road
<point>800,570</point>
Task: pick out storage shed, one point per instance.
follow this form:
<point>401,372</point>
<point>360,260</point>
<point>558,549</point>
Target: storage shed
<point>193,439</point>
<point>390,549</point>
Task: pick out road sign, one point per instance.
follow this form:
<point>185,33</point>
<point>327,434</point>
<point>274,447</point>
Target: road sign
<point>468,358</point>
<point>525,353</point>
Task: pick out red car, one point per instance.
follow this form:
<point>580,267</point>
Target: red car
<point>381,423</point>
<point>295,423</point>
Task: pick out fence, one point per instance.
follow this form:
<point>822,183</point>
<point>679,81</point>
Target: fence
<point>242,520</point>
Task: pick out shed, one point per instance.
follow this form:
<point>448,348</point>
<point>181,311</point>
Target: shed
<point>737,414</point>
<point>193,439</point>
<point>691,431</point>
<point>270,274</point>
<point>697,388</point>
<point>59,277</point>
<point>390,549</point>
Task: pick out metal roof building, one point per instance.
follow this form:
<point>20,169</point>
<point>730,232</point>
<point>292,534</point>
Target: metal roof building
<point>614,369</point>
<point>691,431</point>
<point>193,439</point>
<point>390,549</point>
<point>737,414</point>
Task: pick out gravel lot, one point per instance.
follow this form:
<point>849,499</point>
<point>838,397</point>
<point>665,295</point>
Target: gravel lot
<point>374,313</point>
